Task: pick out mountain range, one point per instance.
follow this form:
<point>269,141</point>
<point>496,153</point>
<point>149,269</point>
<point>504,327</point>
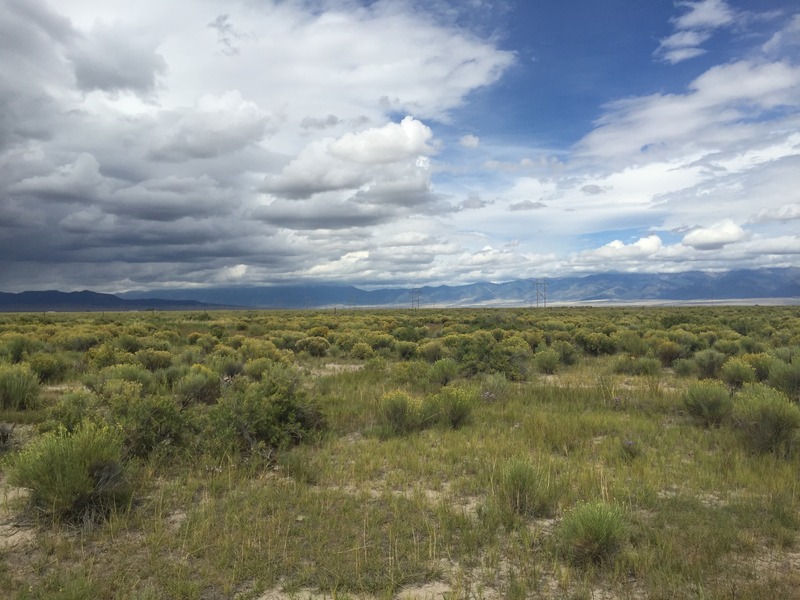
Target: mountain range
<point>781,284</point>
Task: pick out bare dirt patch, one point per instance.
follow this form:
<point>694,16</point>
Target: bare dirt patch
<point>336,368</point>
<point>429,591</point>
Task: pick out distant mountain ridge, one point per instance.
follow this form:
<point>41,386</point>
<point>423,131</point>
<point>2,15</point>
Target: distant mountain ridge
<point>53,300</point>
<point>609,287</point>
<point>783,283</point>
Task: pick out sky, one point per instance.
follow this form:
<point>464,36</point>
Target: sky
<point>197,143</point>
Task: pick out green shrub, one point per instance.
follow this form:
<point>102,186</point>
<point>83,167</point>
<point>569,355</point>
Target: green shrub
<point>547,361</point>
<point>200,385</point>
<point>149,423</point>
<point>406,350</point>
<point>72,409</point>
<point>152,360</point>
<point>19,387</point>
<point>128,343</point>
<point>728,347</point>
<point>667,352</point>
<point>736,372</point>
<point>629,365</point>
<point>16,346</point>
<point>761,362</point>
<point>567,353</point>
<point>512,356</point>
<point>709,362</point>
<point>526,490</point>
<point>74,476</point>
<point>362,351</point>
<point>685,367</point>
<point>593,533</point>
<point>413,373</point>
<point>709,402</point>
<point>494,387</point>
<point>269,415</point>
<point>431,351</point>
<point>785,377</point>
<point>443,371</point>
<point>314,345</point>
<point>256,367</point>
<point>50,367</point>
<point>452,407</point>
<point>766,419</point>
<point>125,372</point>
<point>399,414</point>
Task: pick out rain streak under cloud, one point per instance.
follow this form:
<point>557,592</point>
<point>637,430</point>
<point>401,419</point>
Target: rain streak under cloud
<point>393,142</point>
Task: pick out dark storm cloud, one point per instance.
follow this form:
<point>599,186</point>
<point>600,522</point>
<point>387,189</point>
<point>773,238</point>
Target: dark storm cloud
<point>79,181</point>
<point>171,199</point>
<point>318,214</point>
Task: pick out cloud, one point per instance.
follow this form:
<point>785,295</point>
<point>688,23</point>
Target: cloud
<point>391,143</point>
<point>526,205</point>
<point>591,189</point>
<point>319,123</point>
<point>618,253</point>
<point>470,141</point>
<point>474,202</point>
<point>715,236</point>
<point>79,181</point>
<point>721,107</point>
<point>694,28</point>
<point>784,40</point>
<point>707,14</point>
<point>114,59</point>
<point>369,159</point>
<point>787,212</point>
<point>217,125</point>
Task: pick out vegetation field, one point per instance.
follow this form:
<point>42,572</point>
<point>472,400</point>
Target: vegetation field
<point>580,453</point>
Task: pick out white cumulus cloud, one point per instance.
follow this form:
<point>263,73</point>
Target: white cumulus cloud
<point>715,236</point>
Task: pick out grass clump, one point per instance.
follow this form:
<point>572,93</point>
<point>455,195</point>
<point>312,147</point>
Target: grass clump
<point>526,490</point>
<point>593,533</point>
<point>452,408</point>
<point>74,476</point>
<point>399,414</point>
<point>495,387</point>
<point>19,387</point>
<point>709,402</point>
<point>767,420</point>
<point>631,365</point>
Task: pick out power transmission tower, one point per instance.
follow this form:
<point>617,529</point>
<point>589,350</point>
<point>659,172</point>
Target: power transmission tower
<point>415,298</point>
<point>541,292</point>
